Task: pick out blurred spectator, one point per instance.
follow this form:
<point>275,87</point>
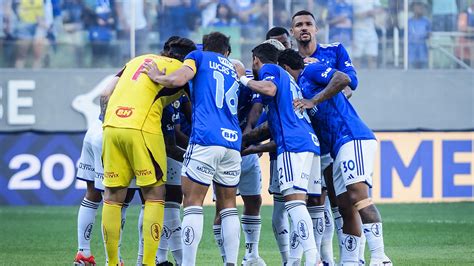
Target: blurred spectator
<point>419,29</point>
<point>123,9</point>
<point>176,17</point>
<point>365,40</point>
<point>224,16</point>
<point>208,10</point>
<point>444,14</point>
<point>99,26</point>
<point>72,28</point>
<point>33,19</point>
<point>249,12</point>
<point>466,44</point>
<point>340,15</point>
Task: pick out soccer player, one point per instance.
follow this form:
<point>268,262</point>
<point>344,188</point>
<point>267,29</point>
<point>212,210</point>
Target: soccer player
<point>351,143</point>
<point>297,145</point>
<point>280,34</point>
<point>133,145</point>
<point>213,154</point>
<point>334,55</point>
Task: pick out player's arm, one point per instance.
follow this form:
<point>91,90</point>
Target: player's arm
<point>181,139</point>
<point>266,147</point>
<point>176,79</point>
<point>337,83</point>
<point>344,64</point>
<point>253,116</point>
<point>257,134</point>
<point>347,91</point>
<point>172,150</point>
<point>264,87</point>
<point>107,92</point>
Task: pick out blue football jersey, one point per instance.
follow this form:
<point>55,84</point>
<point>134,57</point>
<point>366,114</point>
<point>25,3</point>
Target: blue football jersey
<point>335,56</point>
<point>183,121</point>
<point>335,121</point>
<point>290,129</point>
<point>170,117</point>
<point>214,96</point>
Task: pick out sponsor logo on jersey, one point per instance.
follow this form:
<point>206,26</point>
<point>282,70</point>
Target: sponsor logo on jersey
<point>155,231</point>
<point>86,167</point>
<point>350,243</point>
<point>188,235</point>
<point>325,73</point>
<point>124,112</point>
<point>229,134</point>
<point>143,172</point>
<point>110,175</point>
<point>225,62</point>
<point>348,64</point>
<point>232,173</point>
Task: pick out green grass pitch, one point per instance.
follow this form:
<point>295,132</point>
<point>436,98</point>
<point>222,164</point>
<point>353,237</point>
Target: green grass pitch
<point>415,234</point>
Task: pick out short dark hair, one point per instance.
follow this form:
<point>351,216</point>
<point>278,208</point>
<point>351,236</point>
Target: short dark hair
<point>216,42</point>
<point>180,48</point>
<point>302,13</point>
<point>267,53</point>
<point>276,31</point>
<point>166,46</point>
<point>291,58</point>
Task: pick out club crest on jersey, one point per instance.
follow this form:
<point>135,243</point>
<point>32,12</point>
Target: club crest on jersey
<point>230,135</point>
<point>176,104</point>
<point>124,112</point>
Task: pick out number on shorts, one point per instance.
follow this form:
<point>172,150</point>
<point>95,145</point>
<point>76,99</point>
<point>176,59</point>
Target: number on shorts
<point>348,165</point>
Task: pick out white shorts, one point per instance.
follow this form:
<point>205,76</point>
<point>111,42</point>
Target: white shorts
<point>251,176</point>
<point>326,160</point>
<point>364,43</point>
<point>274,187</point>
<point>173,172</point>
<point>205,164</point>
<point>354,163</point>
<point>299,173</point>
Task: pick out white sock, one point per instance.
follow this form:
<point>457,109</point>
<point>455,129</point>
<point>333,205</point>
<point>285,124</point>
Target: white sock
<point>173,220</point>
<point>281,227</point>
<point>327,254</point>
<point>304,227</point>
<point>217,229</point>
<point>374,234</point>
<point>296,249</point>
<point>317,217</point>
<point>191,234</point>
<point>362,248</point>
<point>230,234</point>
<point>350,250</point>
<point>124,218</point>
<point>251,226</point>
<point>85,223</point>
<point>338,222</point>
<point>140,236</point>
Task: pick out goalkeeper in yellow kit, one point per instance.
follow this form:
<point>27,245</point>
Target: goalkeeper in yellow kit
<point>133,145</point>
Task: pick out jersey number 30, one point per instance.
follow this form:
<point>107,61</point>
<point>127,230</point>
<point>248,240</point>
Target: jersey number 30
<point>230,96</point>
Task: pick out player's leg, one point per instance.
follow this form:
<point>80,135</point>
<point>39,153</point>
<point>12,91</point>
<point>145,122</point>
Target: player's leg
<point>315,206</point>
<point>250,187</point>
<point>226,181</point>
<point>280,224</point>
<point>217,230</point>
<point>140,230</point>
<point>295,179</point>
<point>198,169</point>
<point>327,253</point>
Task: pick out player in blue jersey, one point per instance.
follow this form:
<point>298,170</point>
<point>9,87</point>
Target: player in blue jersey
<point>280,34</point>
<point>213,154</point>
<point>352,145</point>
<point>304,31</point>
<point>297,145</point>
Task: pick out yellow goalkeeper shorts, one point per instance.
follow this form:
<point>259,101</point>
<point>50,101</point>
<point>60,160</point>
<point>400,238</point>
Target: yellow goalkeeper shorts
<point>129,152</point>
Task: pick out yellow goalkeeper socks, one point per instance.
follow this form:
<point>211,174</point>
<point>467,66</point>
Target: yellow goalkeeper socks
<point>152,225</point>
<point>111,223</point>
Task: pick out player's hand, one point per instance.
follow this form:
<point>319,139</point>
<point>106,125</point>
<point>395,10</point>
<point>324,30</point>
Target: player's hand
<point>151,69</point>
<point>302,104</point>
<point>249,150</point>
<point>239,68</point>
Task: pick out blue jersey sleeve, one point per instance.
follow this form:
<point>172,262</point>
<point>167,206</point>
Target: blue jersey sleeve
<point>344,64</point>
<point>271,73</point>
<point>196,56</point>
<point>318,73</point>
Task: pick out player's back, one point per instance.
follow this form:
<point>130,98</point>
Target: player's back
<point>290,128</point>
<point>335,119</point>
<point>134,103</point>
<point>214,98</point>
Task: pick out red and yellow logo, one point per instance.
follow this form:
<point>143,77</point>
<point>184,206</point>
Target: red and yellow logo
<point>124,112</point>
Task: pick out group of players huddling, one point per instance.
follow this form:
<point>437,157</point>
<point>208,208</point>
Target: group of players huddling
<point>179,122</point>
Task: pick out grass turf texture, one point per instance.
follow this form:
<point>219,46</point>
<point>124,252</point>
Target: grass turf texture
<point>415,234</point>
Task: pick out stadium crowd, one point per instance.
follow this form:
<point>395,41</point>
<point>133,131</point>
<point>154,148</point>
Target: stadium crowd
<point>88,33</point>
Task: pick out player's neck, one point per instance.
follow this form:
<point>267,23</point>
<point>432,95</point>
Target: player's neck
<point>307,49</point>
